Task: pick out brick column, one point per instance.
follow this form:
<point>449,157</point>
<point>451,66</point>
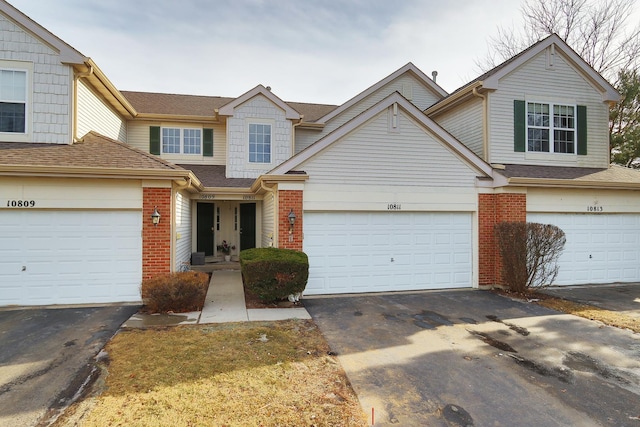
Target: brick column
<point>156,239</point>
<point>287,200</point>
<point>493,209</point>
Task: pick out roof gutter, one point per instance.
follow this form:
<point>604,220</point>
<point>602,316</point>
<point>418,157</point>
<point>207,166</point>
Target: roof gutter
<point>485,124</point>
<point>563,183</point>
<point>89,172</point>
<point>452,101</point>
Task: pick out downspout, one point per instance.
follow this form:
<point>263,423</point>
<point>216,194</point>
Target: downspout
<point>485,127</point>
<point>293,134</point>
<point>275,209</point>
<point>77,77</point>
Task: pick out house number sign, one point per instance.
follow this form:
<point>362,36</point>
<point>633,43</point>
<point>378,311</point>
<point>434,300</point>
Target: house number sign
<point>21,203</point>
<point>394,207</point>
<point>595,208</point>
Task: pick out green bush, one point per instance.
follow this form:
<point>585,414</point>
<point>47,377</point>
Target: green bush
<point>175,292</point>
<point>272,273</point>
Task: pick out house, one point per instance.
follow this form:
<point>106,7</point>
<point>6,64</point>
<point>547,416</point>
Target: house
<point>398,188</point>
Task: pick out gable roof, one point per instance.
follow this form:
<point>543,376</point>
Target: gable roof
<point>395,98</point>
<point>491,79</point>
<point>147,103</point>
<point>408,68</point>
<point>290,113</point>
<point>67,53</point>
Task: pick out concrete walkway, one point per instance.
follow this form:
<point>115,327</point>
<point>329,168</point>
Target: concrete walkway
<point>224,303</point>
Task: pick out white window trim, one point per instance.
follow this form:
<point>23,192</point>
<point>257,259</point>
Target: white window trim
<point>26,67</point>
<point>181,152</point>
<point>253,121</point>
<point>551,128</point>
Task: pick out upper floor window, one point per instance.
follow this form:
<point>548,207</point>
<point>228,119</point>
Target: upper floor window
<point>181,141</point>
<point>13,100</point>
<point>551,128</point>
<point>259,143</point>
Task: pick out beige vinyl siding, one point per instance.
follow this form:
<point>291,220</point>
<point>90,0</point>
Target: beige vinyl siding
<point>95,115</point>
<point>49,86</point>
<point>182,229</point>
<point>541,200</point>
<point>563,84</point>
<point>407,85</point>
<point>138,137</point>
<point>374,155</point>
<point>465,123</point>
<point>268,235</point>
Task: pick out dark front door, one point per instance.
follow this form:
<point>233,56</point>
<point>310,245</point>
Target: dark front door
<point>205,228</point>
<point>247,226</point>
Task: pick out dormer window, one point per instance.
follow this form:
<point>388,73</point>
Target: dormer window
<point>551,128</point>
<point>13,101</point>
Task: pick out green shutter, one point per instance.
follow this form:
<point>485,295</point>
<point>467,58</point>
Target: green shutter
<point>207,142</point>
<point>582,130</point>
<point>519,128</point>
<point>154,140</point>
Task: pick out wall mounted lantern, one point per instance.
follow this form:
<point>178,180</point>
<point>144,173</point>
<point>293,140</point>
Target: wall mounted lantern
<point>292,220</point>
<point>155,216</point>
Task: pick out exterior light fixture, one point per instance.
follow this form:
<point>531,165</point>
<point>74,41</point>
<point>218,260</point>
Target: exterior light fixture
<point>292,220</point>
<point>155,216</point>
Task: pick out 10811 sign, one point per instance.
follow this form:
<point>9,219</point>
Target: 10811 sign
<point>21,203</point>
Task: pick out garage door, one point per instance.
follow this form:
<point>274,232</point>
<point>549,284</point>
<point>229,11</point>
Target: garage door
<point>69,257</point>
<point>387,251</point>
<point>603,248</point>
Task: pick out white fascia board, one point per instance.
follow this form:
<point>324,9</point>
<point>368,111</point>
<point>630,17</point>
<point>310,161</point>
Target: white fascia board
<point>68,55</point>
<point>456,146</point>
<point>290,113</point>
<point>609,93</point>
<point>408,67</point>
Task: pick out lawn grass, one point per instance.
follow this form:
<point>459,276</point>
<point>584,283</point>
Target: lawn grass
<point>607,317</point>
<point>234,374</point>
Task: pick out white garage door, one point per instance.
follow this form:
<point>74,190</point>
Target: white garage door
<point>69,257</point>
<point>603,248</point>
<point>387,251</point>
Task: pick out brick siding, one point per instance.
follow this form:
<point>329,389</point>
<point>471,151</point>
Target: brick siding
<point>287,200</point>
<point>493,209</point>
<point>156,240</point>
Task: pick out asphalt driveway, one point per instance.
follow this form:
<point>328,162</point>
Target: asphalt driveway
<point>47,354</point>
<point>457,358</point>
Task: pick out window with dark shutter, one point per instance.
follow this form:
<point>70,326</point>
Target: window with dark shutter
<point>154,140</point>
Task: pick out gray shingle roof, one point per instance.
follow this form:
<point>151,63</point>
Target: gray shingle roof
<point>612,174</point>
<point>214,176</point>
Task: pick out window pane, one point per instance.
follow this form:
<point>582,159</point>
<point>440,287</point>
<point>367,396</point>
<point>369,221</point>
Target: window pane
<point>537,114</point>
<point>563,141</point>
<point>538,140</point>
<point>170,140</point>
<point>563,117</point>
<point>13,85</point>
<point>12,117</point>
<point>192,141</point>
<point>259,143</point>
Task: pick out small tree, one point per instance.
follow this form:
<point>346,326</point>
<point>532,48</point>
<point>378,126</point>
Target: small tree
<point>530,253</point>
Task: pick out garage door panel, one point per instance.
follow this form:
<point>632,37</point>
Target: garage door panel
<point>70,257</point>
<point>600,248</point>
<point>387,251</point>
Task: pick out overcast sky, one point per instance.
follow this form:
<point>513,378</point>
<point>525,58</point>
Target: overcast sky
<point>322,51</point>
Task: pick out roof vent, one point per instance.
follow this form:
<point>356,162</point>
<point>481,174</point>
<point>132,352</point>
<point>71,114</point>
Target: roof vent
<point>269,88</point>
<point>434,74</point>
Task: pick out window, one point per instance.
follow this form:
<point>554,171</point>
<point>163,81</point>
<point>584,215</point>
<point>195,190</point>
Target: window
<point>181,141</point>
<point>551,128</point>
<point>13,101</point>
<point>259,143</point>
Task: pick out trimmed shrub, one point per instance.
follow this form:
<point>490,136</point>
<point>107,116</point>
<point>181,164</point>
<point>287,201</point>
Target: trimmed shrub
<point>530,253</point>
<point>175,292</point>
<point>273,273</point>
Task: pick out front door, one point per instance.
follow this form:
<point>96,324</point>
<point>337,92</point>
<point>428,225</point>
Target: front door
<point>205,228</point>
<point>247,226</point>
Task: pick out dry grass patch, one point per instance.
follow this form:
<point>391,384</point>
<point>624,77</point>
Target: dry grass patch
<point>265,374</point>
<point>607,317</point>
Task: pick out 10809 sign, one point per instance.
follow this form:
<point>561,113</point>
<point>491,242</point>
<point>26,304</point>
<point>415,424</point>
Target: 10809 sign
<point>21,203</point>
